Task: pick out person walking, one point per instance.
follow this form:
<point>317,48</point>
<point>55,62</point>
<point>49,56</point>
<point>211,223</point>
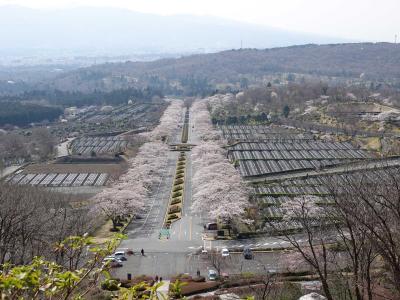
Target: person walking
<point>198,273</point>
<point>142,251</point>
<point>156,278</point>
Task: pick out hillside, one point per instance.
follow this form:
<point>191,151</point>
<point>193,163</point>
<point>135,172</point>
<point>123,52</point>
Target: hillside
<point>378,61</point>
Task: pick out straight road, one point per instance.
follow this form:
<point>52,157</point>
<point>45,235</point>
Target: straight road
<point>166,264</point>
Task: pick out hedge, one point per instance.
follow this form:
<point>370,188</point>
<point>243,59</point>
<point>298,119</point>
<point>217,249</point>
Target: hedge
<point>173,217</point>
<point>178,181</point>
<point>176,194</point>
<point>178,188</point>
<point>176,200</point>
<point>174,209</point>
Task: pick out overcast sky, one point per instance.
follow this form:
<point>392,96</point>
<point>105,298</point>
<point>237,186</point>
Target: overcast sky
<point>364,20</point>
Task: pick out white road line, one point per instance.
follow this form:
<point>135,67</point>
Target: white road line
<point>266,244</point>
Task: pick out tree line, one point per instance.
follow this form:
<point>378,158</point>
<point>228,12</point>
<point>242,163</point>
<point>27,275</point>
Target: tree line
<point>22,114</point>
<point>71,98</point>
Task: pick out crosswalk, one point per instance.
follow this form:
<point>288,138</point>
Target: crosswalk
<point>208,245</point>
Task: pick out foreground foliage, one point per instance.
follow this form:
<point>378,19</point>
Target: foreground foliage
<point>46,279</point>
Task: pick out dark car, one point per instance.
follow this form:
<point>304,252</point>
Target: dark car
<point>247,254</point>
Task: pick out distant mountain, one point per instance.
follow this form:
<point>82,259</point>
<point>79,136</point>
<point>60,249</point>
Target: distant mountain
<point>116,31</point>
<point>375,61</point>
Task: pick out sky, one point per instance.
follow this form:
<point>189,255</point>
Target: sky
<point>362,20</point>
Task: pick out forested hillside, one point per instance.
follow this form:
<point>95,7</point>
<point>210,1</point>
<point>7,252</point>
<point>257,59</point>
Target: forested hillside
<point>378,61</point>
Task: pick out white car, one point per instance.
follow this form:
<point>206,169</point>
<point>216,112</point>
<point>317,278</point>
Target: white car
<point>120,255</point>
<point>112,261</point>
<point>225,252</point>
<point>212,275</point>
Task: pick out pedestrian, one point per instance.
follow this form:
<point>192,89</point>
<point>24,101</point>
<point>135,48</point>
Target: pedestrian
<point>142,251</point>
<point>160,278</point>
<point>156,278</point>
<point>198,273</point>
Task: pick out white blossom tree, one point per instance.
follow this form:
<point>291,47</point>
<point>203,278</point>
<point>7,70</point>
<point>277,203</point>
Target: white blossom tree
<point>219,191</point>
<point>128,194</point>
<point>170,120</point>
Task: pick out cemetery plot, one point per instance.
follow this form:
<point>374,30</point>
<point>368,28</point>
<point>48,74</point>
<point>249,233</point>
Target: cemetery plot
<point>260,158</point>
<point>99,145</point>
<point>60,179</point>
<point>270,197</point>
<point>48,179</point>
<point>262,132</point>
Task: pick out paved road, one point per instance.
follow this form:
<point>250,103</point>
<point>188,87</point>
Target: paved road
<point>168,264</point>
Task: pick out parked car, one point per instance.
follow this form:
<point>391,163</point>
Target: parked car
<point>225,252</point>
<point>211,226</point>
<point>120,255</point>
<point>212,275</point>
<point>112,261</point>
<point>247,254</point>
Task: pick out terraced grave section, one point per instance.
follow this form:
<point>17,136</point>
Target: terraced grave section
<point>261,132</point>
<point>99,145</point>
<point>60,179</point>
<point>263,158</point>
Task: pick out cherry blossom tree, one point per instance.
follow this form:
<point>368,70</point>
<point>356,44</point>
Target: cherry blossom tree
<point>127,195</point>
<point>219,191</point>
<point>202,121</point>
<point>170,120</point>
<point>120,200</point>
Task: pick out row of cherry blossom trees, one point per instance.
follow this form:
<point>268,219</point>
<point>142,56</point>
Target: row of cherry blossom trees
<point>128,195</point>
<point>219,191</point>
<point>168,122</point>
<point>201,118</point>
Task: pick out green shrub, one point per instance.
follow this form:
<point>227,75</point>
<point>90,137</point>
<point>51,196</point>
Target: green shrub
<point>176,194</point>
<point>173,217</point>
<point>176,200</point>
<point>174,209</point>
<point>178,181</point>
<point>177,188</point>
<point>110,285</point>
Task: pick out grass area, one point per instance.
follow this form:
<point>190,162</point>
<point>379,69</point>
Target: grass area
<point>104,233</point>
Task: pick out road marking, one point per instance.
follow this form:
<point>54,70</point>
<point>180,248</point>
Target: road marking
<point>258,245</point>
<point>266,244</point>
<point>190,229</point>
<point>274,243</point>
<point>241,246</point>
